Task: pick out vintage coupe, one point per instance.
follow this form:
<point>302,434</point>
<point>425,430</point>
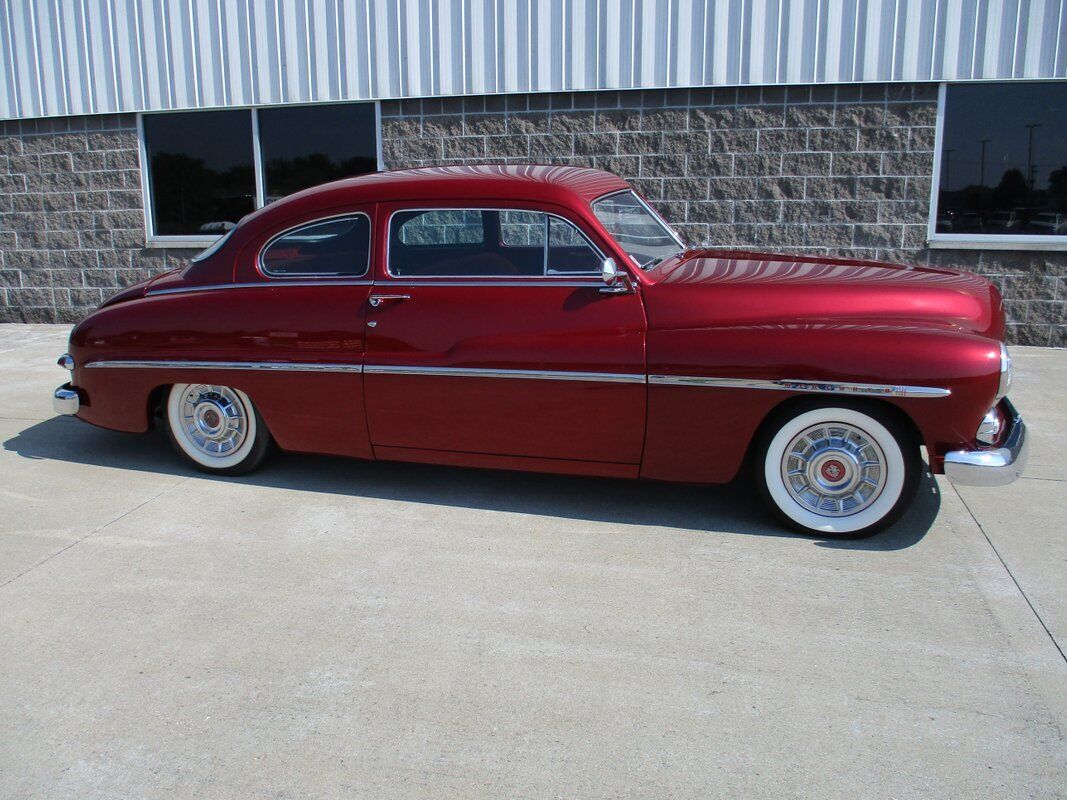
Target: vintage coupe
<point>546,318</point>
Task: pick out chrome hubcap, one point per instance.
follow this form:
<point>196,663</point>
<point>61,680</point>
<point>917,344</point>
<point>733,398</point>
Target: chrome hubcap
<point>214,419</point>
<point>835,469</point>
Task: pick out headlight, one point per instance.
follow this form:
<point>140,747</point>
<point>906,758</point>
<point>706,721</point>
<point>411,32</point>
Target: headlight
<point>1005,372</point>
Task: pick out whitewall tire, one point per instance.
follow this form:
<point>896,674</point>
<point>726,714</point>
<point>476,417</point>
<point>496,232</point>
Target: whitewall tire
<point>216,428</point>
<point>838,471</point>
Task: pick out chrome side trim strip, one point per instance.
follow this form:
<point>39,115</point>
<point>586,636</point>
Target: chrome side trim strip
<point>782,385</point>
<point>263,366</point>
<point>275,283</point>
<point>796,385</point>
<point>527,374</point>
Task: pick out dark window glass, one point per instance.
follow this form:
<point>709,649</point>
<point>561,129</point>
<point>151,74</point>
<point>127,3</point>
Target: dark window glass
<point>568,250</point>
<point>332,247</point>
<point>199,170</point>
<point>307,145</point>
<point>1004,160</point>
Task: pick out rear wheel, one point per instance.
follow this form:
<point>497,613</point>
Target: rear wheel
<point>216,428</point>
<point>838,471</point>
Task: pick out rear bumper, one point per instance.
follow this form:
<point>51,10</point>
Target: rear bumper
<point>65,400</point>
<point>995,466</point>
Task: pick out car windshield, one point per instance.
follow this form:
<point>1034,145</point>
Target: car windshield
<point>639,231</point>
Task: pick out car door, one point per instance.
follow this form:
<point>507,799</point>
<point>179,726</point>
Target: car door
<point>488,333</point>
<point>299,303</point>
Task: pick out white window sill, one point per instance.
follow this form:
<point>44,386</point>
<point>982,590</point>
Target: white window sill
<point>176,242</point>
<point>949,241</point>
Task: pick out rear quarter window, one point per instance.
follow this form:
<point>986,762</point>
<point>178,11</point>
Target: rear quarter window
<point>339,246</point>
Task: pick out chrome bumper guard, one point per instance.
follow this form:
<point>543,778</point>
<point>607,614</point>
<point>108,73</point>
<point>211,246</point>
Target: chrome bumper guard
<point>65,400</point>
<point>997,466</point>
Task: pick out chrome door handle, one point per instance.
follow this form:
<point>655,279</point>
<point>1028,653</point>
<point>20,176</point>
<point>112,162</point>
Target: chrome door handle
<point>377,299</point>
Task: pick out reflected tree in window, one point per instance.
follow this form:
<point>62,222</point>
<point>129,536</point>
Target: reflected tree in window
<point>304,146</point>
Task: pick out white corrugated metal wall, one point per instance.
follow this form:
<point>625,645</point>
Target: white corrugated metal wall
<point>64,57</point>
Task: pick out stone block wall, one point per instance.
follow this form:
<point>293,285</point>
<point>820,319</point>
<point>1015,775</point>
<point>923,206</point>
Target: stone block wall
<point>840,170</point>
<point>72,226</point>
<point>837,170</point>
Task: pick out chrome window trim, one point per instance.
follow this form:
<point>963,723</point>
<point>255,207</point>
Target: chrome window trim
<point>257,366</point>
<point>526,374</point>
<point>513,280</point>
<point>799,385</point>
<point>262,269</point>
<point>400,282</point>
<point>273,284</point>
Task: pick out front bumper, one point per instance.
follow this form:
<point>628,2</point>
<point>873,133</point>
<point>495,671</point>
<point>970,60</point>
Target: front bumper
<point>65,400</point>
<point>996,466</point>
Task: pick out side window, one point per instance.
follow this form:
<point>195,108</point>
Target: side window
<point>522,228</point>
<point>568,251</point>
<point>439,228</point>
<point>465,243</point>
<point>333,247</point>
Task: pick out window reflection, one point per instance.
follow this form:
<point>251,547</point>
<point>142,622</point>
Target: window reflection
<point>1004,160</point>
<point>200,170</point>
<point>334,247</point>
<point>307,145</point>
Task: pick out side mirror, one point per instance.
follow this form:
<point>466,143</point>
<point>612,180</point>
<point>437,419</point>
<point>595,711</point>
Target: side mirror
<point>609,271</point>
<point>615,280</point>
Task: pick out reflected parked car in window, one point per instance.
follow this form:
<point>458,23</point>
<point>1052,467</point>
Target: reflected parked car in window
<point>1004,221</point>
<point>1048,223</point>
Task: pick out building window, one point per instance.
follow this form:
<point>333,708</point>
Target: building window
<point>200,170</point>
<point>204,170</point>
<point>1002,166</point>
<point>304,146</point>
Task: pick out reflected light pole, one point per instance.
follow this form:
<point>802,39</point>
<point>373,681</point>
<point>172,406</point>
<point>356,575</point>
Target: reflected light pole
<point>1030,161</point>
<point>981,173</point>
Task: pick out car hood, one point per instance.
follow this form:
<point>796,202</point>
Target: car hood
<point>714,288</point>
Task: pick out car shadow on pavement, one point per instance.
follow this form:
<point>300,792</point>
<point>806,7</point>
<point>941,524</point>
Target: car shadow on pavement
<point>731,508</point>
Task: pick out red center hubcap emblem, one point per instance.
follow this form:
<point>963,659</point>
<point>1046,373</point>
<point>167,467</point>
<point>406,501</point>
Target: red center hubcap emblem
<point>211,418</point>
<point>833,471</point>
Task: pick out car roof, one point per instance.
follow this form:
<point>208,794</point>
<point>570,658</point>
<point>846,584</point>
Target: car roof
<point>542,182</point>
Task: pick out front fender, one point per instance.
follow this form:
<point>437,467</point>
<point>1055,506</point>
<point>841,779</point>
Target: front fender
<point>702,432</point>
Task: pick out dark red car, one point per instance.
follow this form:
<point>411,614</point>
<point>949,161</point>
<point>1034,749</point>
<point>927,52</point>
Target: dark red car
<point>546,318</point>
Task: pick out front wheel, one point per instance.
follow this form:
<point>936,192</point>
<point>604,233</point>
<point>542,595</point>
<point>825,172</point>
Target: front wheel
<point>838,471</point>
<point>216,428</point>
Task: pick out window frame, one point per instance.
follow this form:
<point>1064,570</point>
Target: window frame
<point>975,241</point>
<point>544,276</point>
<point>152,239</point>
<point>315,276</point>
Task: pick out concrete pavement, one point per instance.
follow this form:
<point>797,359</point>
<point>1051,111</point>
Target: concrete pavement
<point>332,628</point>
